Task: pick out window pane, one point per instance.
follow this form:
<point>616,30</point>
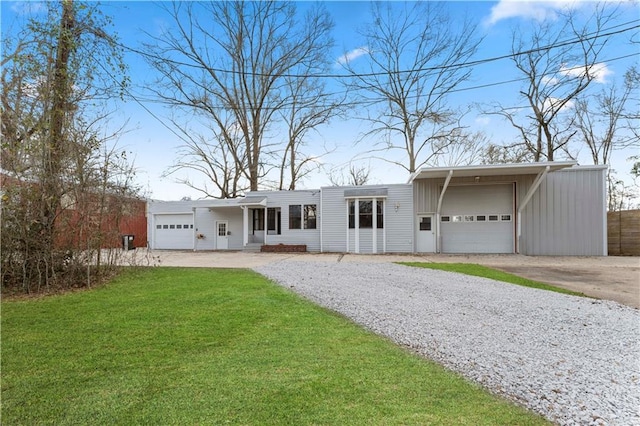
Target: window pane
<point>158,226</point>
<point>445,219</point>
<point>366,214</point>
<point>505,217</point>
<point>380,214</point>
<point>481,218</point>
<point>310,216</point>
<point>425,223</point>
<point>468,218</point>
<point>295,217</point>
<point>493,217</point>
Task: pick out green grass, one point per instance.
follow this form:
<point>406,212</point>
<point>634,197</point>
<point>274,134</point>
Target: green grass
<point>203,346</point>
<point>494,274</point>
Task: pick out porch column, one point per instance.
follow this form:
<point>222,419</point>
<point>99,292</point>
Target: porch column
<point>265,225</point>
<point>356,227</point>
<point>245,226</point>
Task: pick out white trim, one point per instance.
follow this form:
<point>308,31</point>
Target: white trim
<point>439,208</point>
<point>605,233</point>
<point>347,248</point>
<point>356,224</point>
<point>374,225</point>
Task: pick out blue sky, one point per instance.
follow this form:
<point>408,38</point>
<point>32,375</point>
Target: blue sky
<point>154,147</point>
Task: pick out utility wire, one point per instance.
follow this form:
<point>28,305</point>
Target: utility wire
<point>590,36</point>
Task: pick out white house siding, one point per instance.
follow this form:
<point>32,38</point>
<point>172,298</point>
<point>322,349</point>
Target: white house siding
<point>398,224</point>
<point>334,220</point>
<point>566,215</point>
<point>206,225</point>
<point>283,199</point>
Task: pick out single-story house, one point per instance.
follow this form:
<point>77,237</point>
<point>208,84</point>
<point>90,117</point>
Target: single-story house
<point>552,208</point>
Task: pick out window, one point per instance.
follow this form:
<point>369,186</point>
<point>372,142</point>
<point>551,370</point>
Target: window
<point>295,217</point>
<point>165,226</point>
<point>468,218</point>
<point>310,216</point>
<point>365,214</point>
<point>186,226</point>
<point>493,218</point>
<point>158,226</point>
<point>273,220</point>
<point>172,227</point>
<point>481,218</point>
<point>445,219</point>
<point>505,218</point>
<point>457,218</point>
<point>425,223</point>
<point>178,226</point>
<point>258,219</point>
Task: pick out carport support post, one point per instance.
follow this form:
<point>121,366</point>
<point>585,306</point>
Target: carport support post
<point>527,198</point>
<point>444,189</point>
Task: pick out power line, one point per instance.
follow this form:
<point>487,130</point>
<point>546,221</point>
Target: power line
<point>590,36</point>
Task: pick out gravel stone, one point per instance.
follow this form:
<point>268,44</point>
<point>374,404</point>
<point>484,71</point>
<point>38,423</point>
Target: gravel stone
<point>574,360</point>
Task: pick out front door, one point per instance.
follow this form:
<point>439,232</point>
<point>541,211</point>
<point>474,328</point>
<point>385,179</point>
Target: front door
<point>222,239</point>
<point>426,238</point>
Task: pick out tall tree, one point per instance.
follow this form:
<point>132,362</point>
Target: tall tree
<point>414,51</point>
<point>600,119</point>
<point>239,67</point>
<point>556,73</point>
<point>51,136</point>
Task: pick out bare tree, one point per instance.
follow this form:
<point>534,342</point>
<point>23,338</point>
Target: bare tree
<point>234,63</point>
<point>599,120</point>
<point>60,66</point>
<point>556,73</point>
<point>352,175</point>
<point>414,53</point>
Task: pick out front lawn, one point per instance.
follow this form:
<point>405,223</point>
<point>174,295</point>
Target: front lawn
<point>203,346</point>
<point>494,274</point>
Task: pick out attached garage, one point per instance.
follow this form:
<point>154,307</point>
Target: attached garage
<point>553,208</point>
<point>173,231</point>
<point>478,219</point>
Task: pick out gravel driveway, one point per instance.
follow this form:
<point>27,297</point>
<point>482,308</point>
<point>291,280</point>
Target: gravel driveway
<point>573,360</point>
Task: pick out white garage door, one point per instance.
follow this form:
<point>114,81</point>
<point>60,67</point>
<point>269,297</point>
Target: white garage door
<point>478,219</point>
<point>173,231</point>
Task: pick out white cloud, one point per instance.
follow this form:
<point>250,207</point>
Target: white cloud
<point>352,55</point>
<point>553,103</point>
<point>25,8</point>
<point>599,72</point>
<point>483,120</point>
<point>528,9</point>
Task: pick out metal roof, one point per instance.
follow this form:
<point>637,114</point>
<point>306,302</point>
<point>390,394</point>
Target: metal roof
<point>365,192</point>
<point>253,201</point>
<point>490,170</point>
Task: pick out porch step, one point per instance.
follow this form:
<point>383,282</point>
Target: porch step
<point>252,247</point>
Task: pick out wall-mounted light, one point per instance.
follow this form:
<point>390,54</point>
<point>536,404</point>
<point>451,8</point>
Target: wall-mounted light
<point>397,206</point>
<point>477,178</point>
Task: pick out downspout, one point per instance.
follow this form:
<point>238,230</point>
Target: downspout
<point>527,198</point>
<point>374,225</point>
<point>444,189</point>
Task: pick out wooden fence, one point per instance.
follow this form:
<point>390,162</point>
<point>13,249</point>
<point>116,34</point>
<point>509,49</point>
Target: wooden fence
<point>623,233</point>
